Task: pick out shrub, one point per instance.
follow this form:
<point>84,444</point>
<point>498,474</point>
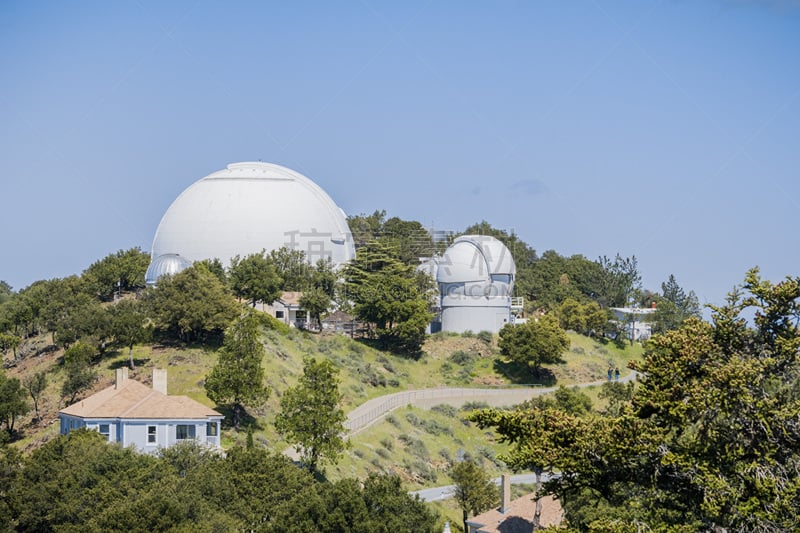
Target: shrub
<point>413,419</point>
<point>472,406</point>
<point>393,420</point>
<point>435,428</point>
<point>383,452</point>
<point>387,443</point>
<point>445,409</point>
<point>486,336</point>
<point>463,358</point>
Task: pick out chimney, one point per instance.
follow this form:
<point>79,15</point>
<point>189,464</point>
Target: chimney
<point>160,380</point>
<point>120,377</point>
<point>505,493</point>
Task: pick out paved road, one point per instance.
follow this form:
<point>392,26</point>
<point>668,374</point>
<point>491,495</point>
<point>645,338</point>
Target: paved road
<point>375,409</point>
<point>443,493</point>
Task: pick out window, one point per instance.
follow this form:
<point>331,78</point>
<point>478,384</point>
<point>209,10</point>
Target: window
<point>104,430</point>
<point>151,434</point>
<point>278,314</point>
<point>211,429</point>
<point>184,431</point>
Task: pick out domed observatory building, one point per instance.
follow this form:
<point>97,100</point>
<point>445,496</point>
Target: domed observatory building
<point>246,208</point>
<point>476,280</point>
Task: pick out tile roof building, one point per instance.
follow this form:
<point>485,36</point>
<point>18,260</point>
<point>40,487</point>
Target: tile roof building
<point>516,516</point>
<point>134,414</point>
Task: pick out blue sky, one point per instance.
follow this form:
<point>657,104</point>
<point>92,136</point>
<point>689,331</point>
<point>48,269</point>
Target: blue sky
<point>667,130</point>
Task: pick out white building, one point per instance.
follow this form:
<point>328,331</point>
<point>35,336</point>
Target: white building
<point>134,414</point>
<point>634,319</point>
<point>244,209</point>
<point>476,280</point>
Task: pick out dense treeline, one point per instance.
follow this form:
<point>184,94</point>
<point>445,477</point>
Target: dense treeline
<point>707,442</point>
<point>81,483</point>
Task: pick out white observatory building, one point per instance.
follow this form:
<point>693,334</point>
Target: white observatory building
<point>476,280</point>
<point>244,209</point>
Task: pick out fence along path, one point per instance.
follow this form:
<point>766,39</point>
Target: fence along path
<point>375,409</point>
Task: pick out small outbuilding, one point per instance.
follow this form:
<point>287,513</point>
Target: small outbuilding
<point>147,418</point>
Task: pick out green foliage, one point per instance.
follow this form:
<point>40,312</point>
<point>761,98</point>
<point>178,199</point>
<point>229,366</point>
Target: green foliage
<point>587,319</point>
<point>621,281</point>
<point>79,372</point>
<point>9,342</point>
<point>410,238</point>
<point>708,440</point>
<point>292,268</point>
<point>12,401</point>
<point>316,302</point>
<point>35,384</point>
<point>389,294</point>
<point>474,490</point>
<point>130,325</point>
<point>192,304</point>
<point>255,278</point>
<point>121,271</point>
<point>674,306</point>
<point>569,400</point>
<point>535,342</point>
<point>553,278</point>
<point>311,417</point>
<point>238,377</point>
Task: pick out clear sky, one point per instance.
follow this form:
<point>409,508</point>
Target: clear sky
<point>668,130</point>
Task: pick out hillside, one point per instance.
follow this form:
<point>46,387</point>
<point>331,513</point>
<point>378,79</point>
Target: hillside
<point>414,443</point>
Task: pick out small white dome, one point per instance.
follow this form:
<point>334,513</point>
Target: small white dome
<point>165,264</point>
<point>250,207</point>
<point>474,258</point>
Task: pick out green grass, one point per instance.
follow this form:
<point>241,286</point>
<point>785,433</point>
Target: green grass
<point>365,373</point>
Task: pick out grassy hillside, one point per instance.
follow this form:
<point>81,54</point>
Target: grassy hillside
<point>416,444</point>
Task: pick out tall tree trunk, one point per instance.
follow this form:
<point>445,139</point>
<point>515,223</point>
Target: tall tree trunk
<point>130,355</point>
<point>537,513</point>
<point>466,530</point>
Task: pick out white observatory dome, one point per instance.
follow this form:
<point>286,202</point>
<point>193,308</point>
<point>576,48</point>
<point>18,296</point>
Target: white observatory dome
<point>476,279</point>
<point>249,207</point>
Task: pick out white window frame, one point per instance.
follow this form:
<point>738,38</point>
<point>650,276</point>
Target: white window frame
<point>152,437</point>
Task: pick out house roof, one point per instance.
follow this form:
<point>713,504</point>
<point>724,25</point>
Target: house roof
<point>291,298</point>
<point>519,516</point>
<point>135,400</point>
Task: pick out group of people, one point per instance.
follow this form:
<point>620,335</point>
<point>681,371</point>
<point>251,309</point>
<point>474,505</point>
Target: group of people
<point>613,371</point>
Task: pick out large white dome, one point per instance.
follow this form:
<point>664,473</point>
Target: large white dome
<point>249,207</point>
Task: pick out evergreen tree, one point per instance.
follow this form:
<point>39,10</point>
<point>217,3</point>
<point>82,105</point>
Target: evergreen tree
<point>238,377</point>
<point>708,441</point>
<point>311,417</point>
<point>394,297</point>
<point>474,490</point>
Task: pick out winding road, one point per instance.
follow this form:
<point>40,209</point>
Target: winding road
<point>375,409</point>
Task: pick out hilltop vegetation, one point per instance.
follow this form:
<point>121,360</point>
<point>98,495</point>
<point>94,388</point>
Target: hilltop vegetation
<point>64,338</point>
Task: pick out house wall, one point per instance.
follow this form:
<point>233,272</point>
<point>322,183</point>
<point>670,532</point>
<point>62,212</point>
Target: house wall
<point>135,432</point>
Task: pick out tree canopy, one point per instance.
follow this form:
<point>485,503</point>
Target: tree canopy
<point>474,490</point>
<point>389,294</point>
<point>311,417</point>
<point>707,442</point>
<point>192,304</point>
<point>238,377</point>
<point>534,342</point>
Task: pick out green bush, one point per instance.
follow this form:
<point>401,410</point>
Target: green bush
<point>445,409</point>
<point>463,358</point>
<point>486,336</point>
